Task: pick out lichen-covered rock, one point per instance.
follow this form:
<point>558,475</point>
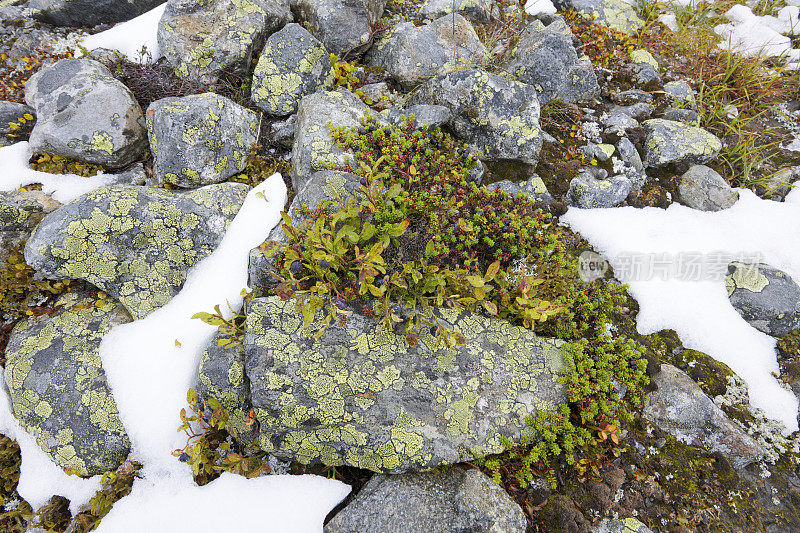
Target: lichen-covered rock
<point>84,113</point>
<point>11,113</point>
<point>703,188</point>
<point>545,57</point>
<point>323,186</point>
<point>767,298</point>
<point>534,187</point>
<point>362,397</point>
<point>293,64</point>
<point>618,15</point>
<point>135,243</point>
<point>342,25</point>
<point>201,38</point>
<point>592,188</point>
<point>626,525</point>
<point>499,118</point>
<point>436,502</point>
<point>199,139</point>
<point>481,11</point>
<point>20,211</point>
<point>414,54</point>
<point>680,92</point>
<point>58,387</point>
<point>673,142</point>
<point>89,13</point>
<point>313,148</point>
<point>680,408</point>
<point>431,116</point>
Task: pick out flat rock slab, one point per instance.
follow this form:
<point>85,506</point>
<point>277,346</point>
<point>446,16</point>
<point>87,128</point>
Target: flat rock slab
<point>498,118</point>
<point>84,113</point>
<point>682,409</point>
<point>436,502</point>
<point>767,298</point>
<point>58,387</point>
<point>135,243</point>
<point>199,139</point>
<point>361,397</point>
<point>668,142</point>
<point>202,38</point>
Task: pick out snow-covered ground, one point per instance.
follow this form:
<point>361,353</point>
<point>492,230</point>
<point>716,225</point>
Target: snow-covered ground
<point>131,37</point>
<point>699,310</point>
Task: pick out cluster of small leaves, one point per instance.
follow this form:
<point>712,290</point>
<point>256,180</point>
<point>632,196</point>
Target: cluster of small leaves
<point>212,446</point>
<point>259,167</point>
<point>345,72</point>
<point>231,330</point>
<point>56,164</point>
<point>13,518</point>
<point>21,294</point>
<point>116,485</point>
<point>21,126</point>
<point>604,46</point>
<point>15,72</point>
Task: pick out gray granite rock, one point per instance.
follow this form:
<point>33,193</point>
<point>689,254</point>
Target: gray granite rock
<point>673,142</point>
<point>703,188</point>
<point>616,14</point>
<point>343,26</point>
<point>89,13</point>
<point>431,116</point>
<point>20,212</point>
<point>436,502</point>
<point>592,188</point>
<point>16,114</point>
<point>480,11</point>
<point>767,298</point>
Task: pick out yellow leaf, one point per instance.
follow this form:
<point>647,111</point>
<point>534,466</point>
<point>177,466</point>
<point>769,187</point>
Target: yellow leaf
<point>178,344</point>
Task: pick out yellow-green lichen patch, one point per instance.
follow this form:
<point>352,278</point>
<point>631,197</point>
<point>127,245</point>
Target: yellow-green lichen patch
<point>22,210</point>
<point>668,142</point>
<point>363,397</point>
<point>135,243</point>
<point>58,388</point>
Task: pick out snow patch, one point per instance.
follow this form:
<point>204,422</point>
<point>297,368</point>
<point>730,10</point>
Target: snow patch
<point>765,36</point>
<point>539,7</point>
<point>130,37</point>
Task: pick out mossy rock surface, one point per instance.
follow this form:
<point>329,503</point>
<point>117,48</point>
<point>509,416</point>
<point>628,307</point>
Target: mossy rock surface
<point>361,397</point>
<point>58,387</point>
<point>135,243</point>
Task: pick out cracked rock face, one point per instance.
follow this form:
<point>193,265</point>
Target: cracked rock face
<point>84,113</point>
<point>200,139</point>
<point>364,398</point>
<point>200,38</point>
<point>767,298</point>
<point>58,387</point>
<point>414,54</point>
<point>498,118</point>
<point>293,64</point>
<point>134,243</point>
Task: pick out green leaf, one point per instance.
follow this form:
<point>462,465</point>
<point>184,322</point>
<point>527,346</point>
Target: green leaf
<point>492,271</point>
<point>475,280</point>
<point>208,318</point>
<point>490,307</point>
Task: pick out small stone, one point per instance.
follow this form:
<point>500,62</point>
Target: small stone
<point>643,56</point>
<point>703,188</point>
<point>767,298</point>
<point>680,92</point>
<point>674,142</point>
<point>593,189</point>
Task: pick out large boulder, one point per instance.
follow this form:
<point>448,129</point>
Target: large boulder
<point>680,408</point>
<point>453,500</point>
<point>619,15</point>
<point>499,118</point>
<point>314,149</point>
<point>202,38</point>
<point>293,64</point>
<point>414,54</point>
<point>20,212</point>
<point>668,142</point>
<point>545,57</point>
<point>767,298</point>
<point>89,13</point>
<point>58,387</point>
<point>343,26</point>
<point>135,243</point>
<point>703,188</point>
<point>362,397</point>
<point>84,113</point>
<point>200,139</point>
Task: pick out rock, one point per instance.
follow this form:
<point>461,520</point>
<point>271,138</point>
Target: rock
<point>628,154</point>
<point>453,500</point>
<point>641,56</point>
<point>600,152</point>
<point>593,189</point>
<point>646,75</point>
<point>673,142</point>
<point>363,398</point>
<point>201,38</point>
<point>480,11</point>
<point>134,243</point>
<point>497,117</point>
<point>413,54</point>
<point>379,95</point>
<point>681,409</point>
<point>640,110</point>
<point>545,57</point>
<point>84,113</point>
<point>135,175</point>
<point>293,64</point>
<point>616,14</point>
<point>703,188</point>
<point>282,132</point>
<point>20,212</point>
<point>88,13</point>
<point>680,92</point>
<point>779,184</point>
<point>323,186</point>
<point>430,116</point>
<point>618,124</point>
<point>12,112</point>
<point>626,525</point>
<point>632,96</point>
<point>199,139</point>
<point>767,298</point>
<point>58,387</point>
<point>343,26</point>
<point>533,187</point>
<point>314,149</point>
<point>687,116</point>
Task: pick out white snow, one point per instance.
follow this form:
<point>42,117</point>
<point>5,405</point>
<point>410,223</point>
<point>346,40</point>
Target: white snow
<point>129,37</point>
<point>15,172</point>
<point>539,7</point>
<point>765,36</point>
<point>699,311</point>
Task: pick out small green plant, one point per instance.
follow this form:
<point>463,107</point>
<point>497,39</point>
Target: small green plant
<point>56,164</point>
<point>116,485</point>
<point>231,330</point>
<point>21,294</point>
